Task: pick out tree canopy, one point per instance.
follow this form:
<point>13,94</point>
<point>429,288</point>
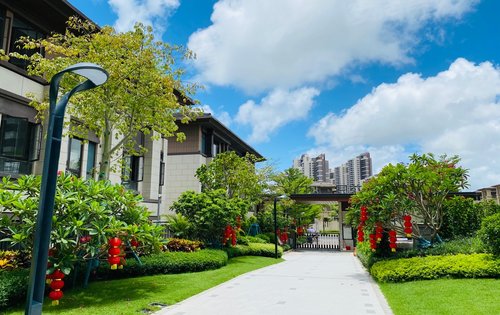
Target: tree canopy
<point>419,189</point>
<point>142,95</point>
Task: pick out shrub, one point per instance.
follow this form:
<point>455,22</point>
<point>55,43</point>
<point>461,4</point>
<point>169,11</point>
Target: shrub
<point>242,240</point>
<point>167,263</point>
<point>13,286</point>
<point>182,245</point>
<point>490,233</point>
<point>264,237</point>
<point>365,254</point>
<point>286,247</point>
<point>255,239</point>
<point>466,245</point>
<point>462,217</point>
<point>253,249</point>
<point>433,267</point>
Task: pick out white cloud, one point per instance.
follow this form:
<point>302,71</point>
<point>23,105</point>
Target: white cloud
<point>148,12</point>
<point>455,112</point>
<point>222,116</point>
<point>275,110</point>
<point>258,45</point>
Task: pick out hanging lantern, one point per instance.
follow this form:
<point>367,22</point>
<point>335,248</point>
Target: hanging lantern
<point>134,243</point>
<point>227,234</point>
<point>408,225</point>
<point>114,252</point>
<point>378,232</point>
<point>300,231</point>
<point>392,240</point>
<point>233,237</point>
<point>238,222</point>
<point>361,234</point>
<point>56,285</point>
<point>373,242</point>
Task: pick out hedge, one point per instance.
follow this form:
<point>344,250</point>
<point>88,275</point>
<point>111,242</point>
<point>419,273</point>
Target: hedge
<point>433,267</point>
<point>253,249</point>
<point>13,287</point>
<point>167,263</point>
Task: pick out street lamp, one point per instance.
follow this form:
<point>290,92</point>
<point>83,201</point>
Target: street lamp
<point>95,76</point>
<point>276,225</point>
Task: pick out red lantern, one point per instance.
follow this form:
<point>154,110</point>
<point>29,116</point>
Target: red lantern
<point>134,243</point>
<point>373,242</point>
<point>408,225</point>
<point>114,252</point>
<point>238,222</point>
<point>393,247</point>
<point>361,234</point>
<point>378,232</point>
<point>300,231</point>
<point>233,237</point>
<point>392,240</point>
<point>56,285</point>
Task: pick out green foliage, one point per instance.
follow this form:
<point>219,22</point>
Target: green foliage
<point>139,94</point>
<point>234,174</point>
<point>178,225</point>
<point>490,233</point>
<point>182,245</point>
<point>263,237</point>
<point>86,214</point>
<point>209,213</point>
<point>13,286</point>
<point>466,245</point>
<point>488,207</point>
<point>419,189</point>
<point>433,267</point>
<point>365,254</point>
<point>258,239</point>
<point>242,240</point>
<point>253,249</point>
<point>168,263</point>
<point>462,217</point>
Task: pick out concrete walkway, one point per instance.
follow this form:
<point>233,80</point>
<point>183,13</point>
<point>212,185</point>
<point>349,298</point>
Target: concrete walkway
<point>307,283</point>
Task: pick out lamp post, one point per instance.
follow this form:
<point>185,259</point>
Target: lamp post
<point>95,76</point>
<point>276,226</point>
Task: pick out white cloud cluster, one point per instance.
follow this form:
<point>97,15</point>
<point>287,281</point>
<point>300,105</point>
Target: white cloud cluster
<point>221,116</point>
<point>148,12</point>
<point>258,45</point>
<point>275,110</point>
<point>455,112</point>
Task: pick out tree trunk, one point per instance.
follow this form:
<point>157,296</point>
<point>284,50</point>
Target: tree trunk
<point>105,166</point>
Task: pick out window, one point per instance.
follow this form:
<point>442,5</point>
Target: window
<point>133,165</point>
<point>19,145</point>
<point>2,27</point>
<point>206,140</point>
<point>91,155</point>
<point>21,28</point>
<point>75,156</point>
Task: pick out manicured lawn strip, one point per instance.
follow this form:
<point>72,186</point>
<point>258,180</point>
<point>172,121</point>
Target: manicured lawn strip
<point>444,296</point>
<point>131,296</point>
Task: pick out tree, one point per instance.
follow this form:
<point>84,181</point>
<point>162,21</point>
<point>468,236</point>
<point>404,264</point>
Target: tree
<point>142,94</point>
<point>419,188</point>
<point>292,181</point>
<point>209,212</point>
<point>234,174</point>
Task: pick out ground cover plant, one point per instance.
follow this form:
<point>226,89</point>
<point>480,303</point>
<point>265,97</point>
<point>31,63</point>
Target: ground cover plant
<point>134,296</point>
<point>444,297</point>
<point>254,249</point>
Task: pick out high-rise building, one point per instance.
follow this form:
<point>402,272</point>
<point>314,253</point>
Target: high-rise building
<point>350,175</point>
<point>315,168</point>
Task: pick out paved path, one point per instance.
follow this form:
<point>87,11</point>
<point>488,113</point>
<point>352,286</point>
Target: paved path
<point>307,283</point>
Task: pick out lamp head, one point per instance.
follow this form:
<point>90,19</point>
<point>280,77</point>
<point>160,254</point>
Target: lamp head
<point>94,73</point>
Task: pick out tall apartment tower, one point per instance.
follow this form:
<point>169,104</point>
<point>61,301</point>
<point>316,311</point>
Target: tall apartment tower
<point>315,168</point>
<point>350,175</point>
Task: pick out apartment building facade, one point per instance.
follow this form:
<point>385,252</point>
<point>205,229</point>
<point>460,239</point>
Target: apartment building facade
<point>350,175</point>
<point>315,167</point>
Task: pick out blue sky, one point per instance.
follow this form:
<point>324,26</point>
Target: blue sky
<point>340,77</point>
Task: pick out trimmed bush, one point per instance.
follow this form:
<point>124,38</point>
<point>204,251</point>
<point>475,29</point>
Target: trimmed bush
<point>365,254</point>
<point>13,286</point>
<point>167,263</point>
<point>466,245</point>
<point>253,249</point>
<point>264,237</point>
<point>242,240</point>
<point>256,239</point>
<point>490,233</point>
<point>434,267</point>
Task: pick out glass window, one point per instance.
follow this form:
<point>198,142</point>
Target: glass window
<point>2,27</point>
<point>22,28</point>
<point>91,155</point>
<point>19,145</point>
<point>75,156</point>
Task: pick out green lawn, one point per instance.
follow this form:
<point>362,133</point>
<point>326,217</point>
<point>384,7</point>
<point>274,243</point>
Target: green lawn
<point>131,296</point>
<point>444,296</point>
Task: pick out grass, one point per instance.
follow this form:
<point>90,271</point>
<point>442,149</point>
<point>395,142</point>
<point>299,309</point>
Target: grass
<point>132,296</point>
<point>444,296</point>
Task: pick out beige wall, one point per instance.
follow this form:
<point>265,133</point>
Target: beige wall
<point>190,145</point>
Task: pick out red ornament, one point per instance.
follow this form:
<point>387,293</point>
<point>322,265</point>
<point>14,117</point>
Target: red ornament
<point>134,243</point>
<point>408,225</point>
<point>378,232</point>
<point>233,237</point>
<point>300,231</point>
<point>56,285</point>
<point>114,252</point>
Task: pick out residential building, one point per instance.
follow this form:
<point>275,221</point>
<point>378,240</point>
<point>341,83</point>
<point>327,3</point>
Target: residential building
<point>490,193</point>
<point>350,175</point>
<point>315,168</point>
<point>205,138</point>
<point>22,141</point>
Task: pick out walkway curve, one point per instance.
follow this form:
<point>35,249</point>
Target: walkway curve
<point>316,283</point>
